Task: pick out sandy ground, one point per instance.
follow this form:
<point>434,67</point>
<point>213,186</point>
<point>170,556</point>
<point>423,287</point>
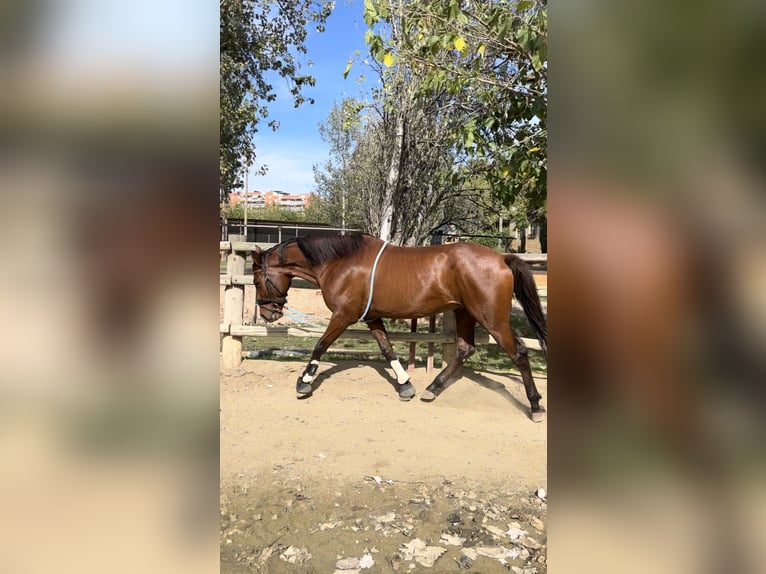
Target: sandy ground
<point>355,426</point>
<point>290,468</point>
<point>296,475</point>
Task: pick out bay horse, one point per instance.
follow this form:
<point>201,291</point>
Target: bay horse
<point>364,279</point>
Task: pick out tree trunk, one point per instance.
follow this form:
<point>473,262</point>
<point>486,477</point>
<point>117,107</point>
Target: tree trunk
<point>392,181</point>
<point>544,235</point>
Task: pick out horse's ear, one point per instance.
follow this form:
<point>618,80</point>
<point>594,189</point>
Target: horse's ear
<point>257,256</point>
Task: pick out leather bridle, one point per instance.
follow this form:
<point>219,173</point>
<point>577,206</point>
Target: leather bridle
<point>281,297</point>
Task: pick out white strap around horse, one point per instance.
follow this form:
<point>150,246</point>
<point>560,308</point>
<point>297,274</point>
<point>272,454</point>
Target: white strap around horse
<point>372,280</point>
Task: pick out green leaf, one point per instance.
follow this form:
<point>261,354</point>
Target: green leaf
<point>454,9</point>
<point>460,44</point>
<point>371,15</point>
<point>388,59</point>
<point>522,36</point>
<point>523,5</point>
<point>348,69</point>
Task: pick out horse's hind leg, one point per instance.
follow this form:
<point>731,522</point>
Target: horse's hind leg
<point>464,328</point>
<point>404,386</point>
<point>516,349</point>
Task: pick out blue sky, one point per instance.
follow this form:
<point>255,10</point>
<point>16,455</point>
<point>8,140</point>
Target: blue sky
<point>296,146</point>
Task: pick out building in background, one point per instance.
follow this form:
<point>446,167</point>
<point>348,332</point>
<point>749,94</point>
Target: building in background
<point>293,202</point>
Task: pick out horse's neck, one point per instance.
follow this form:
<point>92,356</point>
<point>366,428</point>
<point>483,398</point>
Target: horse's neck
<point>304,272</point>
<point>296,265</point>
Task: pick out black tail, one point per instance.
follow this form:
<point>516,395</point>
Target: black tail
<point>526,292</point>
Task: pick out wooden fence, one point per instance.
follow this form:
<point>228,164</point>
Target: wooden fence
<point>234,330</point>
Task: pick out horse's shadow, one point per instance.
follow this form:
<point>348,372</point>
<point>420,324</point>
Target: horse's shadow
<point>488,383</point>
<point>498,387</point>
<point>466,373</point>
<point>324,374</point>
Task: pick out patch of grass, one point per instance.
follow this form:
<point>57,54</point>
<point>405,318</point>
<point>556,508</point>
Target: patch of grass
<point>494,358</point>
<point>486,357</point>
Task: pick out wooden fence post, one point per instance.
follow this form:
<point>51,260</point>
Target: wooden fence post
<point>234,307</point>
<point>430,359</point>
<point>448,328</point>
<point>411,362</point>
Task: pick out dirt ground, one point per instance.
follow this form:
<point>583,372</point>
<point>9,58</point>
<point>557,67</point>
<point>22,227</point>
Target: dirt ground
<point>290,466</point>
<point>352,476</point>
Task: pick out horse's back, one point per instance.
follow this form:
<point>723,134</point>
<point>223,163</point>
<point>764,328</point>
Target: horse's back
<point>454,258</point>
<point>473,258</point>
<point>452,250</point>
<point>419,281</point>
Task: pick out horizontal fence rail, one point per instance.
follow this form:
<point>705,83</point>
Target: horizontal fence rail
<point>274,232</point>
<point>234,328</point>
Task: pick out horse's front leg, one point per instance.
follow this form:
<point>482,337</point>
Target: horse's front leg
<point>404,386</point>
<point>338,324</point>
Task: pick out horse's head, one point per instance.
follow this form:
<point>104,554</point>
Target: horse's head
<point>271,285</point>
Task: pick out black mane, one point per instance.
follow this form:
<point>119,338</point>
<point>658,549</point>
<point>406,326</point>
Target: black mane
<point>318,249</point>
<point>321,249</point>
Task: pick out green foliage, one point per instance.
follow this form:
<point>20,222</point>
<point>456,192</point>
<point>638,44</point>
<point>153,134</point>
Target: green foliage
<point>335,178</point>
<point>258,38</point>
<point>425,196</point>
<point>490,242</point>
<point>232,210</point>
<point>488,58</point>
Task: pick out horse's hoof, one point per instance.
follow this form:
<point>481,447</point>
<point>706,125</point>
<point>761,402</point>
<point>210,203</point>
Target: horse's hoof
<point>303,389</point>
<point>427,396</point>
<point>538,416</point>
<point>406,391</point>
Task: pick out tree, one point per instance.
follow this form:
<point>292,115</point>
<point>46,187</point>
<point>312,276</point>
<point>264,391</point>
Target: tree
<point>341,131</point>
<point>258,38</point>
<point>489,58</point>
<point>423,194</point>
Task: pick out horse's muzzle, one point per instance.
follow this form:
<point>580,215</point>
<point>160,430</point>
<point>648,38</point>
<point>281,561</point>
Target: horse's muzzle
<point>270,315</point>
